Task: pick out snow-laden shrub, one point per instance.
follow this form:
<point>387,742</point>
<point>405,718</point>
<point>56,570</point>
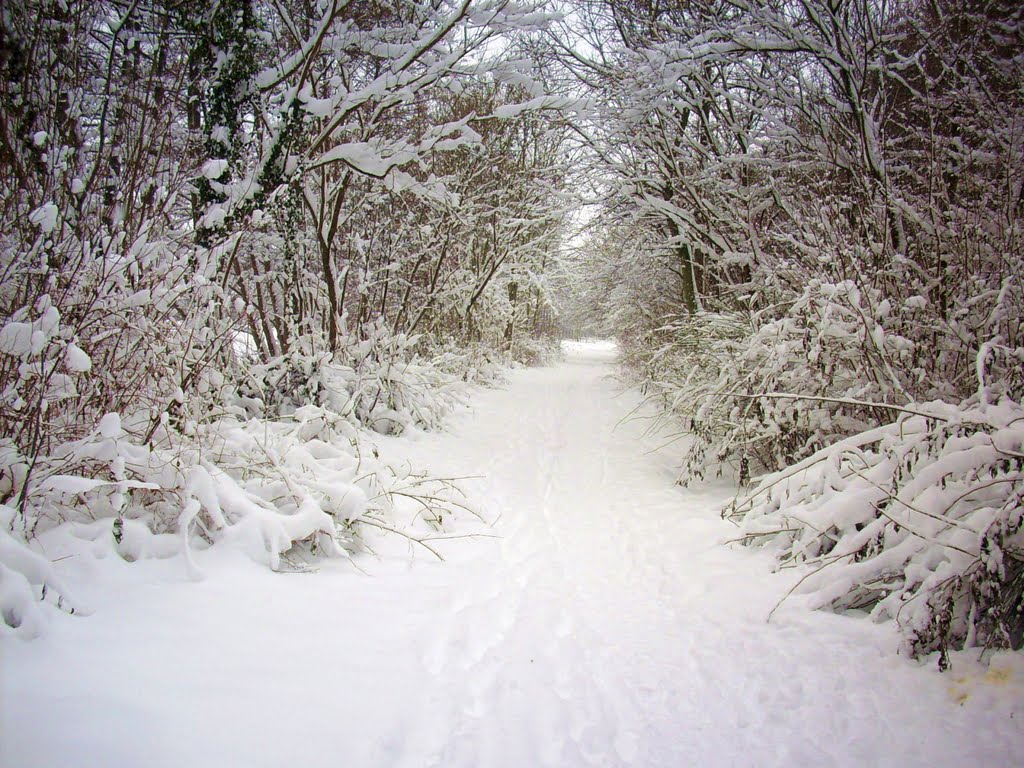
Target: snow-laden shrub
<point>284,491</point>
<point>705,372</point>
<point>529,351</point>
<point>917,521</point>
<point>472,363</point>
<point>385,382</point>
<point>845,350</point>
<point>27,580</point>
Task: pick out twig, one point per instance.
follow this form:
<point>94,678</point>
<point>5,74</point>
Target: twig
<point>803,578</point>
<point>389,529</point>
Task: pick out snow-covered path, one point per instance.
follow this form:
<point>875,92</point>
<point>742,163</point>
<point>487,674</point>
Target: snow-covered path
<point>607,626</point>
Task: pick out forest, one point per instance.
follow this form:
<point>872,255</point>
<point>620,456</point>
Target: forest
<point>241,239</point>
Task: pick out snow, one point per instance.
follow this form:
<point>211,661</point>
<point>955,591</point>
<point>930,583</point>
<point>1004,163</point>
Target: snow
<point>214,169</point>
<point>110,426</point>
<point>45,217</point>
<point>363,157</point>
<point>77,360</point>
<point>16,339</point>
<point>607,626</point>
<point>506,111</point>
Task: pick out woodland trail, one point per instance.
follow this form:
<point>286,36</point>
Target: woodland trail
<point>606,625</point>
<point>610,627</point>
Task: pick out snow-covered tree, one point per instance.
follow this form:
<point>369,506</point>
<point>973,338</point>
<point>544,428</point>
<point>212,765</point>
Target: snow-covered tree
<point>828,202</point>
<point>222,224</point>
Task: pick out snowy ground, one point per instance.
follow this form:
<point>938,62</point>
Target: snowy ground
<point>607,627</point>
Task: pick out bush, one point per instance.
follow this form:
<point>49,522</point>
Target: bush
<point>918,521</point>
